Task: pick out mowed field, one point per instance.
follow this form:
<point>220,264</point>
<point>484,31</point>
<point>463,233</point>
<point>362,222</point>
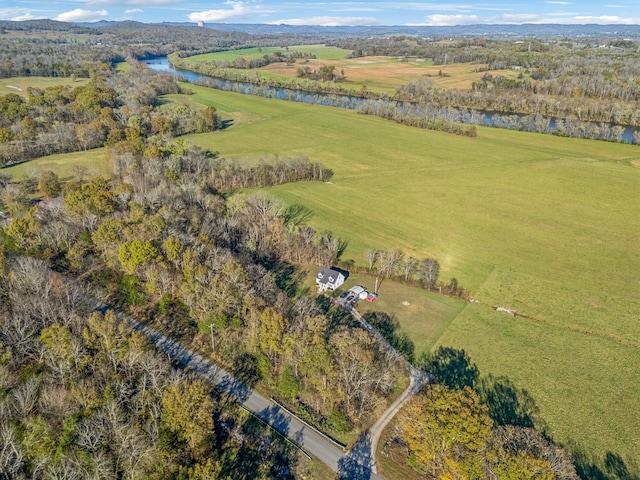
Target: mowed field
<point>540,224</point>
<point>20,85</point>
<point>377,73</point>
<point>95,161</point>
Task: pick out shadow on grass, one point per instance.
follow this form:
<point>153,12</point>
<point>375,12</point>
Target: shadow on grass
<point>508,404</point>
<point>289,278</point>
<point>388,326</point>
<point>611,467</point>
<point>451,367</point>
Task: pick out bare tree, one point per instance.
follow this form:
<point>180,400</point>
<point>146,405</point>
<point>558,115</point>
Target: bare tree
<point>409,267</point>
<point>372,257</point>
<point>429,272</point>
<point>11,456</point>
<point>389,261</point>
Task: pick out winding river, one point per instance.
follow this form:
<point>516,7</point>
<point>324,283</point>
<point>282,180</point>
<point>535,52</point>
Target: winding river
<point>530,123</point>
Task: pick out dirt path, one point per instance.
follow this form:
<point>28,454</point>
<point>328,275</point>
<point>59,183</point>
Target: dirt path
<point>417,380</point>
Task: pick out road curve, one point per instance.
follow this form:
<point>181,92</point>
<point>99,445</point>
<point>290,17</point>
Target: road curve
<point>349,465</point>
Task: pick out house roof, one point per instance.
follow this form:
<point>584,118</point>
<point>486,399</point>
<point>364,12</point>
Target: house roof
<point>358,289</point>
<point>328,275</point>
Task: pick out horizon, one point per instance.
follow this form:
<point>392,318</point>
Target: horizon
<point>331,13</point>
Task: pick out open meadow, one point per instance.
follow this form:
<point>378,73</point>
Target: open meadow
<point>539,224</point>
<point>20,85</point>
<point>95,161</point>
<point>376,73</point>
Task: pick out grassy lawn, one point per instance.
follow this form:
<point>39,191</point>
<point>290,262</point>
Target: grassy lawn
<point>320,51</point>
<point>96,162</point>
<point>422,315</point>
<point>539,224</point>
<point>585,386</point>
<point>19,85</point>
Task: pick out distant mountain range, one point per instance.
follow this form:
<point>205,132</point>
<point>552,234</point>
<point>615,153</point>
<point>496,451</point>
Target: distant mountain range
<point>513,31</point>
<point>526,30</point>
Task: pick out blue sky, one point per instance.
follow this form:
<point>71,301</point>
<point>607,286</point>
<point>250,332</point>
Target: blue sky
<point>301,12</point>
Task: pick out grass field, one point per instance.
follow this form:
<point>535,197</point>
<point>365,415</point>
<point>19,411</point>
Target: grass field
<point>381,74</point>
<point>540,224</point>
<point>423,315</point>
<point>96,162</point>
<point>19,85</point>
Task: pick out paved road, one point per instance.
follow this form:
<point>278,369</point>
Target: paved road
<point>354,465</point>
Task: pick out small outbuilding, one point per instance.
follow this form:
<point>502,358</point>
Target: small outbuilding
<point>359,291</point>
<point>329,279</point>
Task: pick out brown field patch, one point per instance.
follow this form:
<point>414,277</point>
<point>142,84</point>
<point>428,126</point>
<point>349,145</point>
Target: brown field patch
<point>388,73</point>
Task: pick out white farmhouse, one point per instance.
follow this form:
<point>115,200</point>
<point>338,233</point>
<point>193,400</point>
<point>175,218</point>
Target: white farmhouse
<point>329,279</point>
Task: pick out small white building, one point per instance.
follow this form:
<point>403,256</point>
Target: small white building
<point>359,291</point>
<point>329,279</point>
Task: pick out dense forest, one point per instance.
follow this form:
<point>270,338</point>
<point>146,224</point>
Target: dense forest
<point>50,48</point>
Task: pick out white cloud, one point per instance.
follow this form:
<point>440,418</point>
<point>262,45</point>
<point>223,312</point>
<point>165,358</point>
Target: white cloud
<point>607,19</point>
<point>79,15</point>
<point>326,21</point>
<point>450,20</point>
<point>134,10</point>
<point>237,9</point>
<point>17,14</point>
<point>26,16</point>
<point>128,3</point>
<point>518,18</point>
<point>565,18</point>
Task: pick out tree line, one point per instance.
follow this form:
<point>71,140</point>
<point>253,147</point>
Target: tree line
<point>564,79</point>
<point>241,62</point>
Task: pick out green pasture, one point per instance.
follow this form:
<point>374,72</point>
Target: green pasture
<point>423,315</point>
<point>540,224</point>
<point>586,387</point>
<point>95,161</point>
<point>20,85</point>
<point>322,52</point>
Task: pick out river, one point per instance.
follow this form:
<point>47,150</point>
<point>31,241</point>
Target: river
<point>530,123</point>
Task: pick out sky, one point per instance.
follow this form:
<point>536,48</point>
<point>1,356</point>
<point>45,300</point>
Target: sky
<point>329,12</point>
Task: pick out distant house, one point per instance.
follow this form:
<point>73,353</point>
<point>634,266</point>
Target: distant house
<point>329,279</point>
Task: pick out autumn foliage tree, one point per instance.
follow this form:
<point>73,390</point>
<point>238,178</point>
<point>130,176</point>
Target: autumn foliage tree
<point>49,184</point>
<point>187,411</point>
<point>445,429</point>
